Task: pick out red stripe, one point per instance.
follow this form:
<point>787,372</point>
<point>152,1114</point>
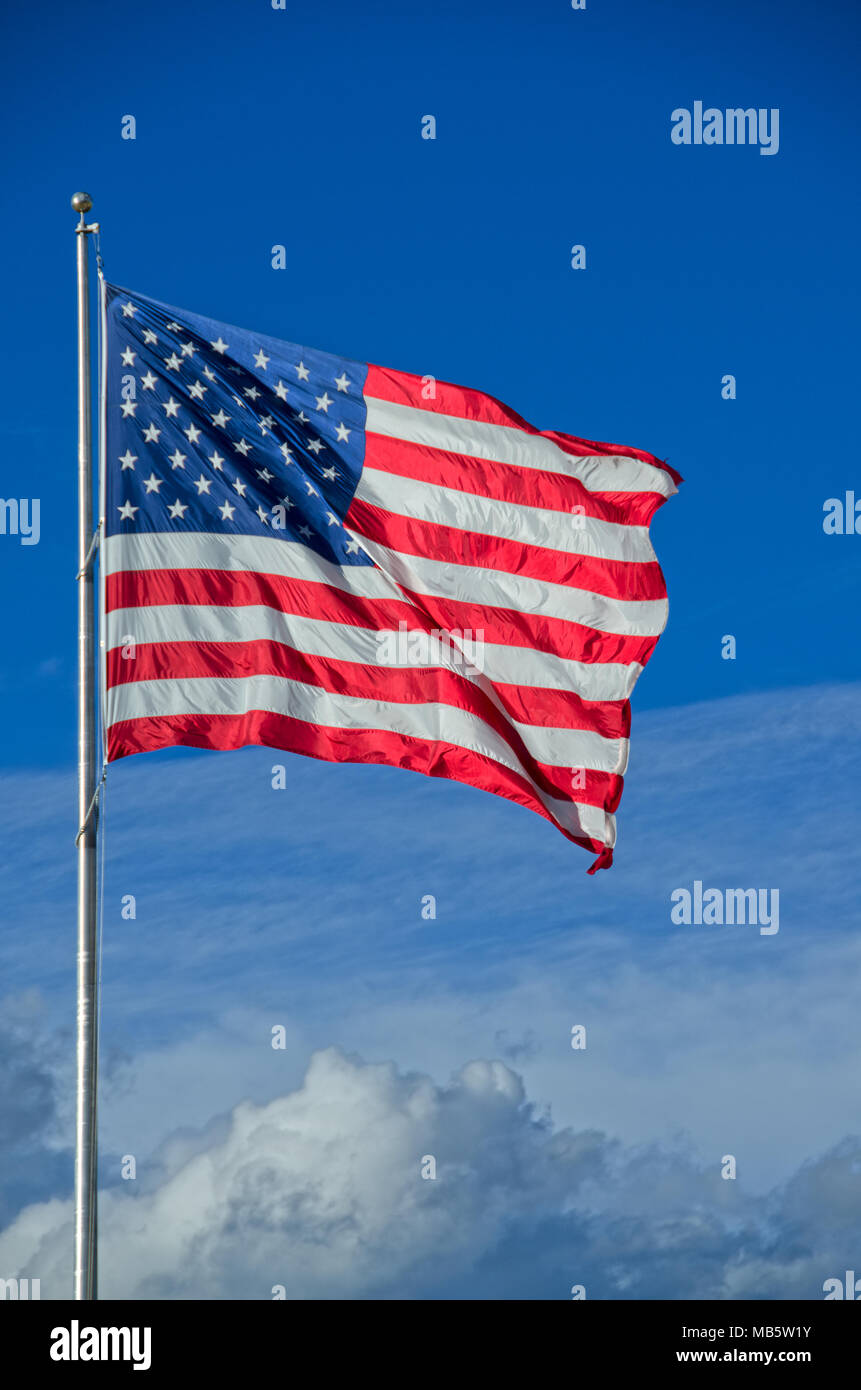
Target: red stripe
<point>505,482</point>
<point>308,598</point>
<point>619,579</point>
<point>225,732</point>
<point>556,635</point>
<point>549,709</point>
<point>402,388</point>
<point>562,709</point>
<point>417,686</point>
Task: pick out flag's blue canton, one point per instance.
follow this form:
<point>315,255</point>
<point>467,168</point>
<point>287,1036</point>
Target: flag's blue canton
<point>212,428</point>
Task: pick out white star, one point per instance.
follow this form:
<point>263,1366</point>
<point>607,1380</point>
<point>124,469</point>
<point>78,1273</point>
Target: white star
<point>330,474</point>
<point>216,460</point>
<point>149,336</point>
<point>287,502</point>
<point>240,487</point>
<point>315,445</point>
<point>127,511</point>
<point>152,483</point>
<point>312,491</point>
<point>129,408</point>
<point>148,381</point>
<point>171,406</point>
<point>177,460</point>
<point>251,392</point>
<point>227,511</point>
<point>209,374</point>
<point>174,327</point>
<point>324,401</point>
<point>172,363</point>
<point>265,474</point>
<point>203,485</point>
<point>192,433</point>
<point>303,418</point>
<point>302,372</point>
<point>281,391</point>
<point>196,391</point>
<point>242,448</point>
<point>240,401</point>
<point>341,382</point>
<point>332,519</point>
<point>128,459</point>
<point>261,360</point>
<point>151,434</point>
<point>128,357</point>
<point>263,517</point>
<point>129,310</point>
<point>287,452</point>
<point>343,434</point>
<point>178,509</point>
<point>352,547</point>
<point>306,531</point>
<point>187,348</point>
<point>220,419</point>
<point>265,422</point>
<point>220,345</point>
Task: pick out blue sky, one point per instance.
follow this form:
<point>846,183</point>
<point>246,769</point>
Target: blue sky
<point>257,908</point>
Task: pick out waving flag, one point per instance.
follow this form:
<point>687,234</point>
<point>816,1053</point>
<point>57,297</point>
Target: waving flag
<point>336,559</point>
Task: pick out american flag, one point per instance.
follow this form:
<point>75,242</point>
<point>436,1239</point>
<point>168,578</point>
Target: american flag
<point>318,555</point>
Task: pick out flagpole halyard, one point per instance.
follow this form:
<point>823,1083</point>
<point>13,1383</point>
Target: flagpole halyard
<point>86,1148</point>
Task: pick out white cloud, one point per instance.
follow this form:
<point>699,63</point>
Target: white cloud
<point>321,1190</point>
<point>303,909</point>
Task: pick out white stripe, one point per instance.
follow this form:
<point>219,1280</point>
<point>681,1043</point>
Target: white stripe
<point>505,665</point>
<point>508,444</point>
<point>496,589</point>
<point>526,666</point>
<point>468,511</point>
<point>432,722</point>
<point>343,642</point>
<point>265,555</point>
<point>203,550</point>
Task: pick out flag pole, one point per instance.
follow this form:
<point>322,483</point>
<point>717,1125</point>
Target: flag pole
<point>87,1038</point>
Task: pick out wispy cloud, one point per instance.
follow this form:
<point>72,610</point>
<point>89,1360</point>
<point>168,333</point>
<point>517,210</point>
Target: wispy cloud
<point>303,908</point>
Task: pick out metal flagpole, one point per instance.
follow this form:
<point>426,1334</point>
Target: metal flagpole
<point>87,1057</point>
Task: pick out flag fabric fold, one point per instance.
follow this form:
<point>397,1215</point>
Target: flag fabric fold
<point>336,559</point>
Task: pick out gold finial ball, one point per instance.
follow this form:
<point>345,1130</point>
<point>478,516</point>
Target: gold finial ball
<point>81,202</point>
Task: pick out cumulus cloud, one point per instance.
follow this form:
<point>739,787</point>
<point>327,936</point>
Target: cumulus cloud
<point>321,1190</point>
